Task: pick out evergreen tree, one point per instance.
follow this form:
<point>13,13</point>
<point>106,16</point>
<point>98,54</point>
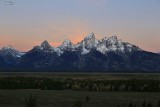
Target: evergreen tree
<point>31,101</point>
<point>77,104</point>
<point>144,104</point>
<point>130,104</point>
<point>118,105</point>
<point>149,105</point>
<point>158,104</point>
<point>87,98</point>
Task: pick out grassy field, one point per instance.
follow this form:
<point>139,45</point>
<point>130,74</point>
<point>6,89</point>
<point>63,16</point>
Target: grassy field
<point>94,76</point>
<point>69,98</point>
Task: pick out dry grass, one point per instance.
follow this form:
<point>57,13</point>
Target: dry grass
<point>67,98</point>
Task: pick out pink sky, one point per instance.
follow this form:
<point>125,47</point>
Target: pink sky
<point>28,23</point>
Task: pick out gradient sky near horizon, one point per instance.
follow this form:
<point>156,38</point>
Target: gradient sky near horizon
<point>26,23</point>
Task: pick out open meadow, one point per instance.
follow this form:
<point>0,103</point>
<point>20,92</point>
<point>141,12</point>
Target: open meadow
<point>72,93</point>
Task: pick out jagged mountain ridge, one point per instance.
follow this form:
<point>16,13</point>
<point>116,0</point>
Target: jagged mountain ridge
<point>91,54</point>
<point>10,55</point>
<point>88,43</point>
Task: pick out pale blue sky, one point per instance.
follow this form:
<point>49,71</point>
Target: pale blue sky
<point>28,22</point>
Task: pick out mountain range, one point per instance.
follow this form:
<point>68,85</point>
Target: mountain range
<point>109,54</point>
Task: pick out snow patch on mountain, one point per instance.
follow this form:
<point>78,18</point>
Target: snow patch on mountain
<point>90,41</point>
<point>46,47</point>
<point>20,54</point>
<point>10,51</point>
<point>129,47</point>
<point>84,50</point>
<point>66,45</point>
<point>114,44</point>
<point>103,49</point>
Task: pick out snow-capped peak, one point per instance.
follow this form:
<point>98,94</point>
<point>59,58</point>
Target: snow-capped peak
<point>66,45</point>
<point>87,44</point>
<point>114,44</point>
<point>9,47</point>
<point>45,44</point>
<point>104,45</point>
<point>46,47</point>
<point>67,42</point>
<point>10,51</point>
<point>105,38</point>
<point>113,39</point>
<point>90,36</point>
<point>90,41</point>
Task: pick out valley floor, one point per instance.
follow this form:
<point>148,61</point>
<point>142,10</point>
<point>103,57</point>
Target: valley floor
<point>68,98</point>
<point>94,76</point>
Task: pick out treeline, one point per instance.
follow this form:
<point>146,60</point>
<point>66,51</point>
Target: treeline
<point>30,83</point>
<point>137,85</point>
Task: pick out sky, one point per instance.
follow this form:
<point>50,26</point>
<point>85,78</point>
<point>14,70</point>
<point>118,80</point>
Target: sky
<point>27,23</point>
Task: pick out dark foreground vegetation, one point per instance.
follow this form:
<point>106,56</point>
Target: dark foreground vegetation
<point>135,85</point>
<point>79,90</point>
<point>68,98</point>
<point>31,101</point>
